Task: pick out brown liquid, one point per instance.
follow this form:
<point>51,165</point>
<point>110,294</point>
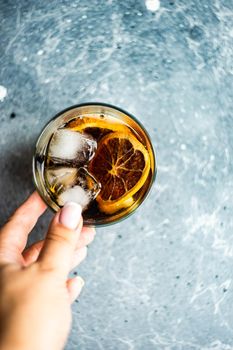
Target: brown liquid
<point>93,213</point>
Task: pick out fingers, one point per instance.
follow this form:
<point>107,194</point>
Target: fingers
<point>74,287</point>
<point>13,235</point>
<point>86,237</point>
<point>31,254</point>
<point>61,240</point>
<point>78,257</point>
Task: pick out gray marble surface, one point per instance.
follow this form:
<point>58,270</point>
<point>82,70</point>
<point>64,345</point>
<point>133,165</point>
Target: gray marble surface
<point>162,279</point>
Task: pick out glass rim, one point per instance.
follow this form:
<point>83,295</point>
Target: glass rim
<point>103,104</point>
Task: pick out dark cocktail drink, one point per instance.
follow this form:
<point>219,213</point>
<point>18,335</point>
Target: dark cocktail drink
<point>98,156</point>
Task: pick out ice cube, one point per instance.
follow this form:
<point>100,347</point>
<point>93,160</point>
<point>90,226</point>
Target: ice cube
<point>84,191</point>
<point>69,144</point>
<point>61,177</point>
<point>75,194</point>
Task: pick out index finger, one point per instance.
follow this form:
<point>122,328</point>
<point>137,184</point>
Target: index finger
<point>13,235</point>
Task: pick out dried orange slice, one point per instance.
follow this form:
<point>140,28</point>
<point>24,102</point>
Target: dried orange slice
<point>121,164</point>
<point>97,126</point>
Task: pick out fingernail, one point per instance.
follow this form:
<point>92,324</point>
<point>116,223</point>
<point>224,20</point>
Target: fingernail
<point>70,215</point>
<point>80,281</point>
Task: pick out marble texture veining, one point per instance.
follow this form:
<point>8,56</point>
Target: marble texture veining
<point>162,279</point>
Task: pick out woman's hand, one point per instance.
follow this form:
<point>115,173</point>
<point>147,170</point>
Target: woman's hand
<point>35,295</point>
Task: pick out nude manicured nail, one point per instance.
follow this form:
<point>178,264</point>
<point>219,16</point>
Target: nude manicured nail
<point>80,282</point>
<point>70,215</point>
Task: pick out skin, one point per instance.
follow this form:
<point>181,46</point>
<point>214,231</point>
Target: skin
<point>36,294</point>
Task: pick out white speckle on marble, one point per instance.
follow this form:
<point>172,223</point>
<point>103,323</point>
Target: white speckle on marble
<point>105,86</point>
<point>183,147</point>
<point>164,168</point>
<point>84,17</point>
<point>204,138</point>
<point>25,59</point>
<point>40,52</point>
<point>152,5</point>
<point>3,93</point>
<point>212,157</point>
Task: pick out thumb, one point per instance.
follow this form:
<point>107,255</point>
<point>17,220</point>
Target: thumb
<point>61,240</point>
